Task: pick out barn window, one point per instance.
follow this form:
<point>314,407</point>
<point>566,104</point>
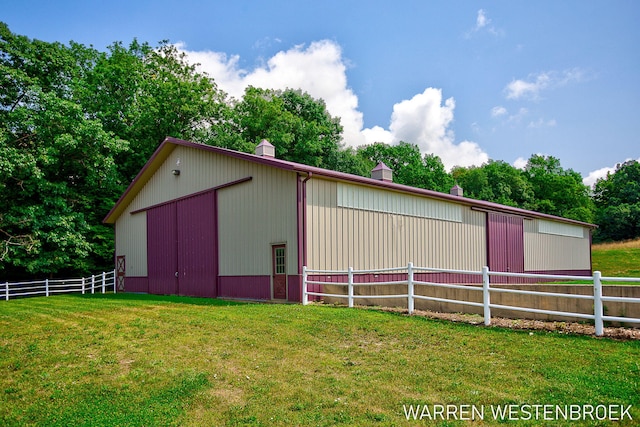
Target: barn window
<point>371,199</point>
<point>560,229</point>
<point>280,261</point>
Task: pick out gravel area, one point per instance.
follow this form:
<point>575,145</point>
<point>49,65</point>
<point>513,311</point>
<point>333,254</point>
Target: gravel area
<point>618,333</point>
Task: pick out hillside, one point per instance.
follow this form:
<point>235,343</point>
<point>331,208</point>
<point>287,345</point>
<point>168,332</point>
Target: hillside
<point>617,258</point>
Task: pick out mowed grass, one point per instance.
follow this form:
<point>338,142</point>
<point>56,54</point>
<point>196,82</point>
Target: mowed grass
<point>144,360</point>
<point>621,259</point>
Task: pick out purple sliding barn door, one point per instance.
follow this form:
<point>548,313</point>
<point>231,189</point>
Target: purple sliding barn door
<point>197,257</point>
<point>162,250</point>
<point>505,247</point>
<point>182,254</point>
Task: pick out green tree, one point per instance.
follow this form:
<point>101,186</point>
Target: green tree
<point>558,191</point>
<point>144,94</point>
<point>57,170</point>
<point>298,125</point>
<point>408,165</point>
<point>496,181</point>
<point>617,200</point>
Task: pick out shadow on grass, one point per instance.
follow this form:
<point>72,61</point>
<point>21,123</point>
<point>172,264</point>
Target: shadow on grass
<point>130,296</point>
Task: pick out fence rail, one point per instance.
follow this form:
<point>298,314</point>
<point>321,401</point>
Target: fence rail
<point>99,283</point>
<point>410,296</point>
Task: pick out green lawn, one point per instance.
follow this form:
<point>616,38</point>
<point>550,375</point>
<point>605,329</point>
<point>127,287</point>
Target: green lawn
<point>620,259</point>
<point>132,360</point>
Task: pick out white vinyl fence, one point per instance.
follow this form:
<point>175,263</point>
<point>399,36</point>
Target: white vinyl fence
<point>598,299</point>
<point>99,283</point>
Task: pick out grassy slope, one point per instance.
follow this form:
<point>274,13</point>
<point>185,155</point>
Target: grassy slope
<point>132,360</point>
<point>617,259</point>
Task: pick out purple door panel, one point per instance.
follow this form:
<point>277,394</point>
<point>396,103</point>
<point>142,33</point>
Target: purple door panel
<point>162,257</point>
<point>505,235</point>
<point>197,260</point>
<point>181,247</point>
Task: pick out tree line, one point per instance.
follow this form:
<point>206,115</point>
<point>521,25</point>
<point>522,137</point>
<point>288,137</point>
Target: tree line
<point>77,124</point>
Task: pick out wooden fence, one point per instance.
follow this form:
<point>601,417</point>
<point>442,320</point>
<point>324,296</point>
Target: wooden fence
<point>415,291</point>
<point>102,283</point>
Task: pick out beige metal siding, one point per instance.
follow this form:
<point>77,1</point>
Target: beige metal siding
<point>252,215</point>
<point>131,241</point>
<point>339,237</point>
<point>545,251</point>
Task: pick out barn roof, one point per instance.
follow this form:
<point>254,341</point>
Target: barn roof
<point>169,144</point>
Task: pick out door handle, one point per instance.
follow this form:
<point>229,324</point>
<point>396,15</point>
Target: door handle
<point>177,275</point>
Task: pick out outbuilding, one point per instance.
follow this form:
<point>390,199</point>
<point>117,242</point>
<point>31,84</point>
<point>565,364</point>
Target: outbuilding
<point>207,221</point>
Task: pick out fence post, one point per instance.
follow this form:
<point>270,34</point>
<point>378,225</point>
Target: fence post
<point>6,290</point>
<point>350,286</point>
<point>93,284</point>
<point>83,286</point>
<point>114,281</point>
<point>410,302</point>
<point>305,297</point>
<point>46,287</point>
<point>486,298</point>
<point>104,280</point>
<point>597,303</point>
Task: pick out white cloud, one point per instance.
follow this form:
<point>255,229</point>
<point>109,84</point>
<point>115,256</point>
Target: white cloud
<point>540,123</point>
<point>498,111</point>
<point>377,134</point>
<point>536,83</point>
<point>520,163</point>
<point>517,117</point>
<point>320,70</point>
<point>482,20</point>
<point>593,176</point>
<point>483,24</point>
<point>424,120</point>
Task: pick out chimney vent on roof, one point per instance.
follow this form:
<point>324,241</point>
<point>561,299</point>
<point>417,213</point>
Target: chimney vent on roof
<point>382,173</point>
<point>456,190</point>
<point>265,149</point>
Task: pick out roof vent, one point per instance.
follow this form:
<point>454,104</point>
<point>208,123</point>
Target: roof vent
<point>382,173</point>
<point>456,190</point>
<point>265,149</point>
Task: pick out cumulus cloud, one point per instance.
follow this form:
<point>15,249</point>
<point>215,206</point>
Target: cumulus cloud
<point>425,120</point>
<point>531,87</point>
<point>320,70</point>
<point>593,176</point>
<point>520,163</point>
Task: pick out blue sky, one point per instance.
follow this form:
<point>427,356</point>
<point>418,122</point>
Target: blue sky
<point>466,80</point>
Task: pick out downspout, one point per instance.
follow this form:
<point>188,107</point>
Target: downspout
<point>302,225</point>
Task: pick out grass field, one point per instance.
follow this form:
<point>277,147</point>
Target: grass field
<point>620,259</point>
<point>142,360</point>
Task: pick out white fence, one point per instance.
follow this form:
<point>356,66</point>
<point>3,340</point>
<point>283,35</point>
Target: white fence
<point>597,297</point>
<point>99,283</point>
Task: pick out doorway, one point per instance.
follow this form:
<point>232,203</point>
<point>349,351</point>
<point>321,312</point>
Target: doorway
<point>279,275</point>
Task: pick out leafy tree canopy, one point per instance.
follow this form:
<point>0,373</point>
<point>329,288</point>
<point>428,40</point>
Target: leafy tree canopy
<point>408,165</point>
<point>617,198</point>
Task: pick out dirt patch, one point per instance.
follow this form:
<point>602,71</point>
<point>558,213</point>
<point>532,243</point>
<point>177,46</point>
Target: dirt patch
<point>524,324</point>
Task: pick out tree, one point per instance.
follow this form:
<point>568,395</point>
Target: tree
<point>496,181</point>
<point>408,165</point>
<point>558,191</point>
<point>57,168</point>
<point>617,200</point>
<point>145,94</point>
<point>298,125</point>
